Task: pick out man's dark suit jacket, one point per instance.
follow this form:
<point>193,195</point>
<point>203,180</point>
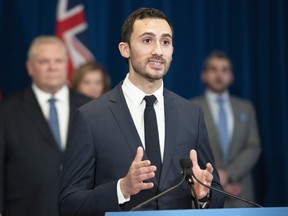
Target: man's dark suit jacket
<point>103,144</point>
<point>30,159</point>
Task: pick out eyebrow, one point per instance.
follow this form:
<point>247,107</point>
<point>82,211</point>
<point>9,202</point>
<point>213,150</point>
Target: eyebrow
<point>152,34</point>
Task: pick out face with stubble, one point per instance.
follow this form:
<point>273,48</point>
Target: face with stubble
<point>218,75</point>
<point>150,50</point>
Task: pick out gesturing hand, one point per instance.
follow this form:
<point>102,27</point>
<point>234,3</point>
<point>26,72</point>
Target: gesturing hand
<point>204,176</point>
<point>139,171</point>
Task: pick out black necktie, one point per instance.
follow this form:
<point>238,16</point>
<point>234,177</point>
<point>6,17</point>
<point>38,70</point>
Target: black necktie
<point>152,146</point>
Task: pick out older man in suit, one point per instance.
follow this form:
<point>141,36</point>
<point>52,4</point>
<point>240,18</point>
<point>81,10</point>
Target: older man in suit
<point>232,129</point>
<point>33,132</point>
<point>106,167</point>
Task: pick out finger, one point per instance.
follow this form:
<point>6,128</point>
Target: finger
<point>148,169</point>
<point>208,177</point>
<point>144,169</point>
<point>209,167</point>
<point>145,186</point>
<point>139,165</point>
<point>145,176</point>
<point>139,154</point>
<point>193,157</point>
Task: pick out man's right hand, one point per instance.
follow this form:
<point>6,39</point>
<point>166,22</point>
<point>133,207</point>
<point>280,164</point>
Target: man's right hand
<point>139,171</point>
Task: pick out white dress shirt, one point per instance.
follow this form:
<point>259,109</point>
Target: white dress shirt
<point>214,107</point>
<point>135,100</point>
<point>62,106</point>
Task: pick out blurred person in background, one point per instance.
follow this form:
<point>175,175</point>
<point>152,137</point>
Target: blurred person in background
<point>33,132</point>
<point>232,129</point>
<point>91,79</point>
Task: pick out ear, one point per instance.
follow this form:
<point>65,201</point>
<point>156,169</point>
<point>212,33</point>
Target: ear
<point>232,77</point>
<point>29,68</point>
<point>124,49</point>
<point>202,76</point>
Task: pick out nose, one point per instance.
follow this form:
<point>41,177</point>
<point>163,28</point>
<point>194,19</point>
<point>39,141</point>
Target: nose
<point>157,49</point>
<point>52,65</point>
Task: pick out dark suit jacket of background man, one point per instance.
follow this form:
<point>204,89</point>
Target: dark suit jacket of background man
<point>244,149</point>
<point>103,144</point>
<point>30,159</point>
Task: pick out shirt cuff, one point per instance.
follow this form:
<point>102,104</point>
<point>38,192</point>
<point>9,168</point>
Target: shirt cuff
<point>121,198</point>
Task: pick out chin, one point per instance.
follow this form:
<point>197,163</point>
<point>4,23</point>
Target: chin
<point>156,75</point>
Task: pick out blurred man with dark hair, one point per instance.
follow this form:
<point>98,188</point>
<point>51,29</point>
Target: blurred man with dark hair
<point>232,129</point>
<point>106,167</point>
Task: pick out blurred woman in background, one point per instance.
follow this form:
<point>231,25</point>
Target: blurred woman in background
<point>91,79</point>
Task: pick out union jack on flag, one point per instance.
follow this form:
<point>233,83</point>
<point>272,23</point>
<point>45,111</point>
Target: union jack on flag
<point>71,27</point>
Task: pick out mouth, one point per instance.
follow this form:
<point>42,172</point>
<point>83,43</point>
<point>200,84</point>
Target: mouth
<point>156,64</point>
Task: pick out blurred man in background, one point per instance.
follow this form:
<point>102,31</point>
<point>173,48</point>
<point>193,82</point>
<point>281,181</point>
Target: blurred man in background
<point>232,129</point>
<point>33,132</point>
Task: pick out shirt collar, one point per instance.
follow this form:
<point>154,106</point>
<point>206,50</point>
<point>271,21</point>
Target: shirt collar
<point>43,96</point>
<point>212,96</point>
<point>136,96</point>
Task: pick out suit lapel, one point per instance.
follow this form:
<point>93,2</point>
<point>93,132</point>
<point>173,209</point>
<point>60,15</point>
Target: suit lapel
<point>171,122</point>
<point>121,113</point>
<point>72,108</point>
<point>236,128</point>
<point>34,112</point>
<point>212,129</point>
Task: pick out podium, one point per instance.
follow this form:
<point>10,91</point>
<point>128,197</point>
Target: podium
<point>273,211</point>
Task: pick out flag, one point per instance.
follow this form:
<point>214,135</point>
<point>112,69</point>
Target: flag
<point>71,27</point>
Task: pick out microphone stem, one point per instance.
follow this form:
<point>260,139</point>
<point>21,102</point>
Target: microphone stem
<point>159,195</point>
<point>226,193</point>
<point>191,183</point>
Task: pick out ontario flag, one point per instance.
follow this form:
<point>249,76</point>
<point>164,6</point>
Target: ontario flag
<point>71,27</point>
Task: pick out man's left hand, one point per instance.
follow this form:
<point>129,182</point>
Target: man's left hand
<point>204,176</point>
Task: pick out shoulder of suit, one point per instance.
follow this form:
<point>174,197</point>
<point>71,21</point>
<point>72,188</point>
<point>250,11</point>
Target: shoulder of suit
<point>16,98</point>
<point>240,101</point>
<point>81,99</point>
<point>171,95</point>
<point>179,99</point>
<point>99,103</point>
<point>198,99</point>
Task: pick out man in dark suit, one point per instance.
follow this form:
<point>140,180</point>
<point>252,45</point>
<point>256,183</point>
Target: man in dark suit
<point>236,154</point>
<point>30,153</point>
<point>106,167</point>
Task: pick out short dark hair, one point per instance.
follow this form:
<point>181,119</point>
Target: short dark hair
<point>140,14</point>
<point>216,54</point>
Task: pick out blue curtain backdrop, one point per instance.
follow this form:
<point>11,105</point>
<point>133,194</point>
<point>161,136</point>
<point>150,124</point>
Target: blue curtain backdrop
<point>253,33</point>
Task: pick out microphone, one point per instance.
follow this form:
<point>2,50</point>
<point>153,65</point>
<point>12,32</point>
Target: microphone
<point>187,163</point>
<point>186,174</point>
<point>186,166</point>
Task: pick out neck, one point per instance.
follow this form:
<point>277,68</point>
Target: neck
<point>148,86</point>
